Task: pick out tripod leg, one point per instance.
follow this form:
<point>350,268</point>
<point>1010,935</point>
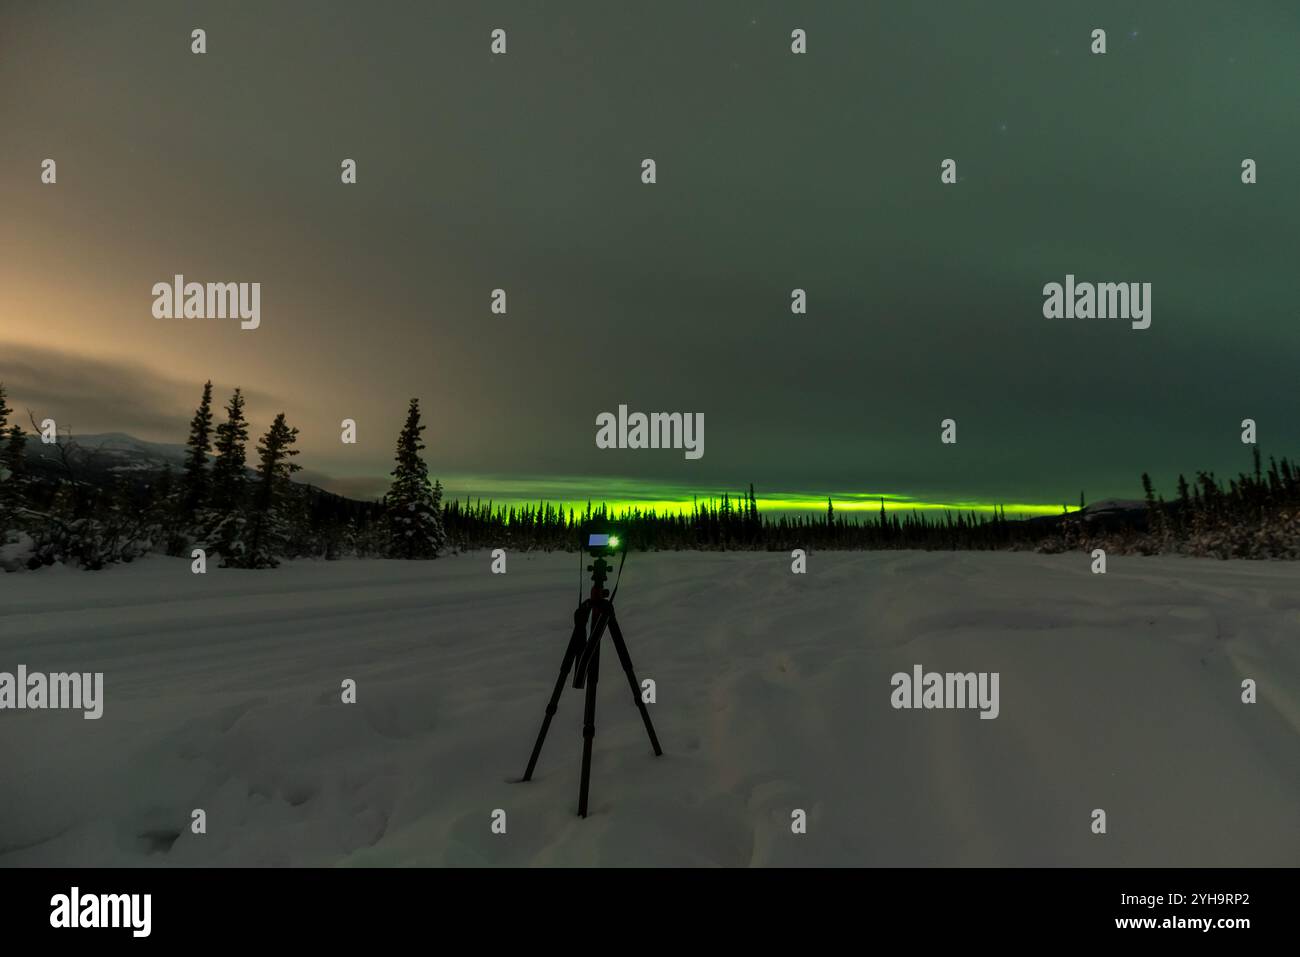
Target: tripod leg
<point>621,646</point>
<point>599,620</point>
<point>588,730</point>
<point>575,645</point>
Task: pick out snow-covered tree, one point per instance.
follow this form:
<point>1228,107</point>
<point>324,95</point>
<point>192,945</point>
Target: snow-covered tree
<point>413,508</point>
<point>9,469</point>
<point>231,460</point>
<point>224,520</point>
<point>14,455</point>
<point>194,480</point>
<point>15,543</point>
<point>267,526</point>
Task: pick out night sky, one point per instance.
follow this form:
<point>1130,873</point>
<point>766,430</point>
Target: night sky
<point>775,171</point>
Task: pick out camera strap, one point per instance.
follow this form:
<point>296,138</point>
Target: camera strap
<point>619,577</point>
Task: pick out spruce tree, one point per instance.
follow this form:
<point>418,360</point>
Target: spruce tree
<point>436,502</point>
<point>1184,504</point>
<point>267,528</point>
<point>225,520</point>
<point>194,483</point>
<point>15,453</point>
<point>10,466</point>
<point>1148,493</point>
<point>13,458</point>
<point>230,463</point>
<point>5,410</point>
<point>413,513</point>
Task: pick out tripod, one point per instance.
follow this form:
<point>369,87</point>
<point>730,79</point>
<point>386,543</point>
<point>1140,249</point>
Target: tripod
<point>583,655</point>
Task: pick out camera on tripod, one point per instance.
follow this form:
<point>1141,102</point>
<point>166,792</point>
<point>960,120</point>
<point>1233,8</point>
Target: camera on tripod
<point>600,544</point>
<point>583,654</point>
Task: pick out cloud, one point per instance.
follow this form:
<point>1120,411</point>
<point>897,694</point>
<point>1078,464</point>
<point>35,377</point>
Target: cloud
<point>363,488</point>
<point>92,395</point>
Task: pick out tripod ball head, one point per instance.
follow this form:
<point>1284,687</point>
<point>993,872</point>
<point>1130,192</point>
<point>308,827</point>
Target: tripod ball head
<point>599,573</point>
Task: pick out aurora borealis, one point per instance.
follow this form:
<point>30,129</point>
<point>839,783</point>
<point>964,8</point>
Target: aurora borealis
<point>620,495</point>
<point>521,172</point>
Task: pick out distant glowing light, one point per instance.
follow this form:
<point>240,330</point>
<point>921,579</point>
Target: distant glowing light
<point>623,498</point>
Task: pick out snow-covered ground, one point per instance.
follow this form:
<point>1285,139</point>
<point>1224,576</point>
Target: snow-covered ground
<point>1120,692</point>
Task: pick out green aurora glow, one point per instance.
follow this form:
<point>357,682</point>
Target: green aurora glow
<point>624,494</point>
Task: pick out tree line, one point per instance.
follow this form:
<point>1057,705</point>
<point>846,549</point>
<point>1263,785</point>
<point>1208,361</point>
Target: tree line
<point>246,515</point>
<point>250,514</point>
<point>1254,515</point>
<point>728,523</point>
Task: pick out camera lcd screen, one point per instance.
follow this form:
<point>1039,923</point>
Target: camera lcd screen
<point>597,541</point>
